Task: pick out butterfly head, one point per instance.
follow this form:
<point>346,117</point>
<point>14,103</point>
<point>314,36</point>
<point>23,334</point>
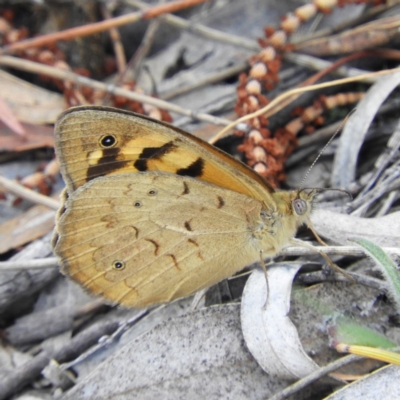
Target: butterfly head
<point>302,204</point>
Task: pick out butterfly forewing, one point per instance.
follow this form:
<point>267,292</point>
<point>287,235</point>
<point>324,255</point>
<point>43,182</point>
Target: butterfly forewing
<point>145,238</point>
<point>98,141</point>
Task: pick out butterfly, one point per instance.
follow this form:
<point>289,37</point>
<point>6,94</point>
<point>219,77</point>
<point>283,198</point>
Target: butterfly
<point>151,213</point>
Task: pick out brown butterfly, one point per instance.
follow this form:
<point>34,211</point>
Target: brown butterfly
<point>152,213</point>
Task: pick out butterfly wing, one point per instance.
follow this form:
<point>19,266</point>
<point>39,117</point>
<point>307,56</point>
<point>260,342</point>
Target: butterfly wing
<point>146,238</point>
<point>98,141</point>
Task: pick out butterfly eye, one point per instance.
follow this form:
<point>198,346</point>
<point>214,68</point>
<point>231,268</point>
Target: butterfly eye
<point>152,192</point>
<point>108,141</point>
<point>137,204</point>
<point>118,265</point>
<point>300,206</point>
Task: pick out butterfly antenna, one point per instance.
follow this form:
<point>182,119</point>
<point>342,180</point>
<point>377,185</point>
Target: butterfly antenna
<point>325,147</point>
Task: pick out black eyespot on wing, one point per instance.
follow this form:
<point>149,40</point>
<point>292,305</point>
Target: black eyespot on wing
<point>152,192</point>
<point>187,226</point>
<point>195,169</point>
<point>153,153</point>
<point>108,141</point>
<point>137,204</point>
<point>118,265</point>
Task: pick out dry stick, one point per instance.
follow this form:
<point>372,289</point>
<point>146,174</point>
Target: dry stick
<point>56,73</point>
<point>323,134</point>
<point>319,64</point>
<point>366,16</point>
<point>38,263</point>
<point>274,103</point>
<point>333,250</point>
<point>137,59</point>
<point>207,80</point>
<point>116,40</point>
<point>330,67</point>
<point>389,25</point>
<point>202,30</point>
<point>302,383</point>
<point>310,278</point>
<point>21,191</point>
<point>314,79</point>
<point>31,370</point>
<point>97,27</point>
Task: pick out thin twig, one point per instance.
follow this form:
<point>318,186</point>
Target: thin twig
<point>302,383</point>
<point>116,41</point>
<point>39,263</point>
<point>275,103</point>
<point>29,371</point>
<point>319,64</point>
<point>28,194</point>
<point>365,16</point>
<point>101,26</point>
<point>310,278</point>
<point>69,76</point>
<point>207,80</point>
<point>202,30</point>
<point>333,250</point>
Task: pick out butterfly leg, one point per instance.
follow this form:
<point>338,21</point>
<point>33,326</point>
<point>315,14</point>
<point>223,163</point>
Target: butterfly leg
<point>264,268</point>
<point>297,242</point>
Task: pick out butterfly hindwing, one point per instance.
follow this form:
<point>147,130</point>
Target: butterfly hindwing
<point>145,238</point>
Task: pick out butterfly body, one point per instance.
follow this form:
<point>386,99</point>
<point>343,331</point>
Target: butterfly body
<point>153,214</point>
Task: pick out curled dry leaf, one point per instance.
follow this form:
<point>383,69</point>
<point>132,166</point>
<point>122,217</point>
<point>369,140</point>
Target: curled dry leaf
<point>353,135</point>
<point>269,334</point>
<point>384,231</point>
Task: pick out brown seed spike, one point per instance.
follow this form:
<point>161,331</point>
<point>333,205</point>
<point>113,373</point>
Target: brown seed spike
<point>195,169</point>
<point>221,202</point>
<point>156,245</point>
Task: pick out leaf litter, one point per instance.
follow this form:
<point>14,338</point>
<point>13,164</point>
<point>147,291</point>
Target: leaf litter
<point>202,353</point>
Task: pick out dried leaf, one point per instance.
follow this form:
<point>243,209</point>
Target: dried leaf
<point>383,231</point>
<point>269,333</point>
<point>353,135</point>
